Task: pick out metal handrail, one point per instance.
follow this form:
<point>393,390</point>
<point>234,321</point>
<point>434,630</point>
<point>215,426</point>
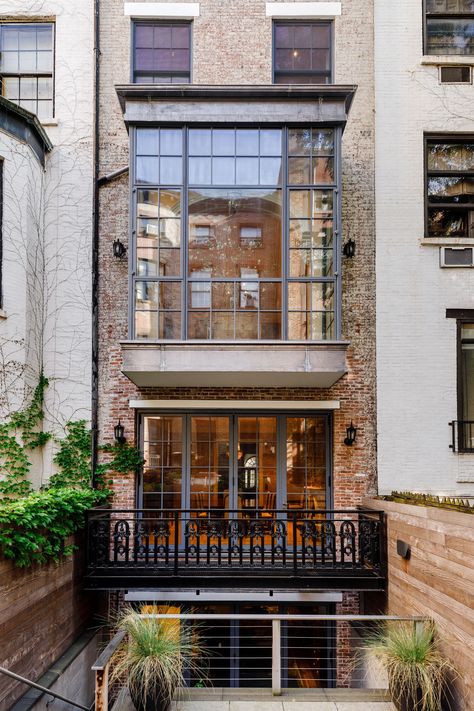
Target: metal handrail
<point>44,689</point>
<point>101,666</point>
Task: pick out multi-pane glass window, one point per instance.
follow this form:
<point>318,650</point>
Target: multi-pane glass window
<point>279,460</point>
<point>302,52</point>
<point>235,235</point>
<point>26,66</point>
<point>450,187</point>
<point>162,53</point>
<point>449,27</point>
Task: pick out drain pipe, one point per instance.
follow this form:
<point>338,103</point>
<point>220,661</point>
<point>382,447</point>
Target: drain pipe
<point>95,253</point>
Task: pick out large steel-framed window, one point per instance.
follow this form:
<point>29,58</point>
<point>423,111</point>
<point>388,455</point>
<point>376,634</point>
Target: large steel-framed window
<point>247,460</point>
<point>161,52</point>
<point>302,52</point>
<point>235,233</point>
<point>449,186</point>
<point>449,27</point>
<point>26,66</point>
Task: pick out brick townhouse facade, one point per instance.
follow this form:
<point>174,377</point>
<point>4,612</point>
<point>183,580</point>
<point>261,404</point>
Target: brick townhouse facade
<point>236,331</point>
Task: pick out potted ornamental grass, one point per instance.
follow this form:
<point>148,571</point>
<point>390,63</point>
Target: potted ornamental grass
<point>154,657</point>
<point>418,674</point>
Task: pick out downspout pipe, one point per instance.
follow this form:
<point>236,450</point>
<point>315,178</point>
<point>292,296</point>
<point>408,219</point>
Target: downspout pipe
<point>95,253</point>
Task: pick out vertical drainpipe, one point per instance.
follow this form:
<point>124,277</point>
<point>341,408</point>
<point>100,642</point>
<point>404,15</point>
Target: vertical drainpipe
<point>95,251</point>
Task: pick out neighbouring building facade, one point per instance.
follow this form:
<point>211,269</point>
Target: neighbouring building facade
<point>236,326</point>
<point>46,135</point>
<point>425,280</point>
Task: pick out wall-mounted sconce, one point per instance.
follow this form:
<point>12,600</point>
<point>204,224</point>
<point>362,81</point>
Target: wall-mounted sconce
<point>351,434</point>
<point>119,249</point>
<point>349,249</point>
<point>119,433</point>
<point>403,549</point>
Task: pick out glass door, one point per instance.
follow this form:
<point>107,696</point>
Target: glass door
<point>256,462</point>
<point>218,463</point>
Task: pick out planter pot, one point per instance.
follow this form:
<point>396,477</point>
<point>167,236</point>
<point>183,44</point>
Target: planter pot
<point>155,700</point>
<point>405,701</point>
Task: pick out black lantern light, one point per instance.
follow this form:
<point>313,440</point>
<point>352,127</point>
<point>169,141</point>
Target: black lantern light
<point>351,433</point>
<point>119,249</point>
<point>349,249</point>
<point>119,433</point>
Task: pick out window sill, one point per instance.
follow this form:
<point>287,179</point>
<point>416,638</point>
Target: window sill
<point>450,59</point>
<point>446,241</point>
<point>3,314</point>
<point>49,122</point>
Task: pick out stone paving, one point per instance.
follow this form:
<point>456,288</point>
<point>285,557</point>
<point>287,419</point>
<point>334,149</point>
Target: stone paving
<point>262,700</point>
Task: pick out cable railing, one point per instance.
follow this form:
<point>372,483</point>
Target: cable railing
<point>283,653</point>
<point>187,543</point>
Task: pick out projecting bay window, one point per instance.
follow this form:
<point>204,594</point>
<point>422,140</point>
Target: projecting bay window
<point>449,27</point>
<point>450,186</point>
<point>236,229</point>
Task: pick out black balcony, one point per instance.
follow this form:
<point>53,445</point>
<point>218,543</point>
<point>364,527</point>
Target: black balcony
<point>462,436</point>
<point>303,549</point>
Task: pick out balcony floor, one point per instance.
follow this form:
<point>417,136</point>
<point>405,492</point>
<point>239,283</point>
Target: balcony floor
<point>217,699</point>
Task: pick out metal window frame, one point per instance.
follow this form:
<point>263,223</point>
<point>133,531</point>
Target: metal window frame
<point>442,16</point>
<point>161,23</point>
<point>445,138</point>
<point>284,279</point>
<point>233,415</point>
<point>51,74</point>
<point>329,73</point>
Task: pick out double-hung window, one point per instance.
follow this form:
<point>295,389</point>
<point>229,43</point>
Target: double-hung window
<point>162,53</point>
<point>236,226</point>
<point>26,66</point>
<point>302,53</point>
<point>449,27</point>
<point>450,186</point>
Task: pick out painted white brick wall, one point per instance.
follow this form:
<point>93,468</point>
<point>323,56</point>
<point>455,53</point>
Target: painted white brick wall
<point>68,218</point>
<point>416,344</point>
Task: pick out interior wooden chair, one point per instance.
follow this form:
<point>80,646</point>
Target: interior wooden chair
<point>269,503</point>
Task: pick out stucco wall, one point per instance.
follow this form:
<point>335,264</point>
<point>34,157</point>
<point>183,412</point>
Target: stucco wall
<point>416,343</point>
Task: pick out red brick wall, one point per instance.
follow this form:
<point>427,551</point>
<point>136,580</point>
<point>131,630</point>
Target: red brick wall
<point>43,609</point>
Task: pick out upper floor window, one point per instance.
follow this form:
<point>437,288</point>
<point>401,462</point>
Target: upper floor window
<point>26,66</point>
<point>449,27</point>
<point>450,186</point>
<point>236,228</point>
<point>302,52</point>
<point>162,53</point>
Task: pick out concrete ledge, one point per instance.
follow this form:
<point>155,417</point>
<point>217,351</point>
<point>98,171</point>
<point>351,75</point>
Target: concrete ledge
<point>307,10</point>
<point>234,365</point>
<point>171,10</point>
<point>33,697</point>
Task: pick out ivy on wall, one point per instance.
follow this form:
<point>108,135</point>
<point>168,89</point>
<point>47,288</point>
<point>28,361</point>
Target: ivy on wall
<point>34,525</point>
<point>18,435</point>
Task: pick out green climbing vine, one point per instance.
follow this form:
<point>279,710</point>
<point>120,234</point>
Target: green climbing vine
<point>18,435</point>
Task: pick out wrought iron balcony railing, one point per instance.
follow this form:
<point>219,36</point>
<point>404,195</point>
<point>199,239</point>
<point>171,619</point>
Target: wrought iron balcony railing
<point>131,548</point>
<point>462,436</point>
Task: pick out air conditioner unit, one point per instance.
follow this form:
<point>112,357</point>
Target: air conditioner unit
<point>455,75</point>
<point>456,257</point>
